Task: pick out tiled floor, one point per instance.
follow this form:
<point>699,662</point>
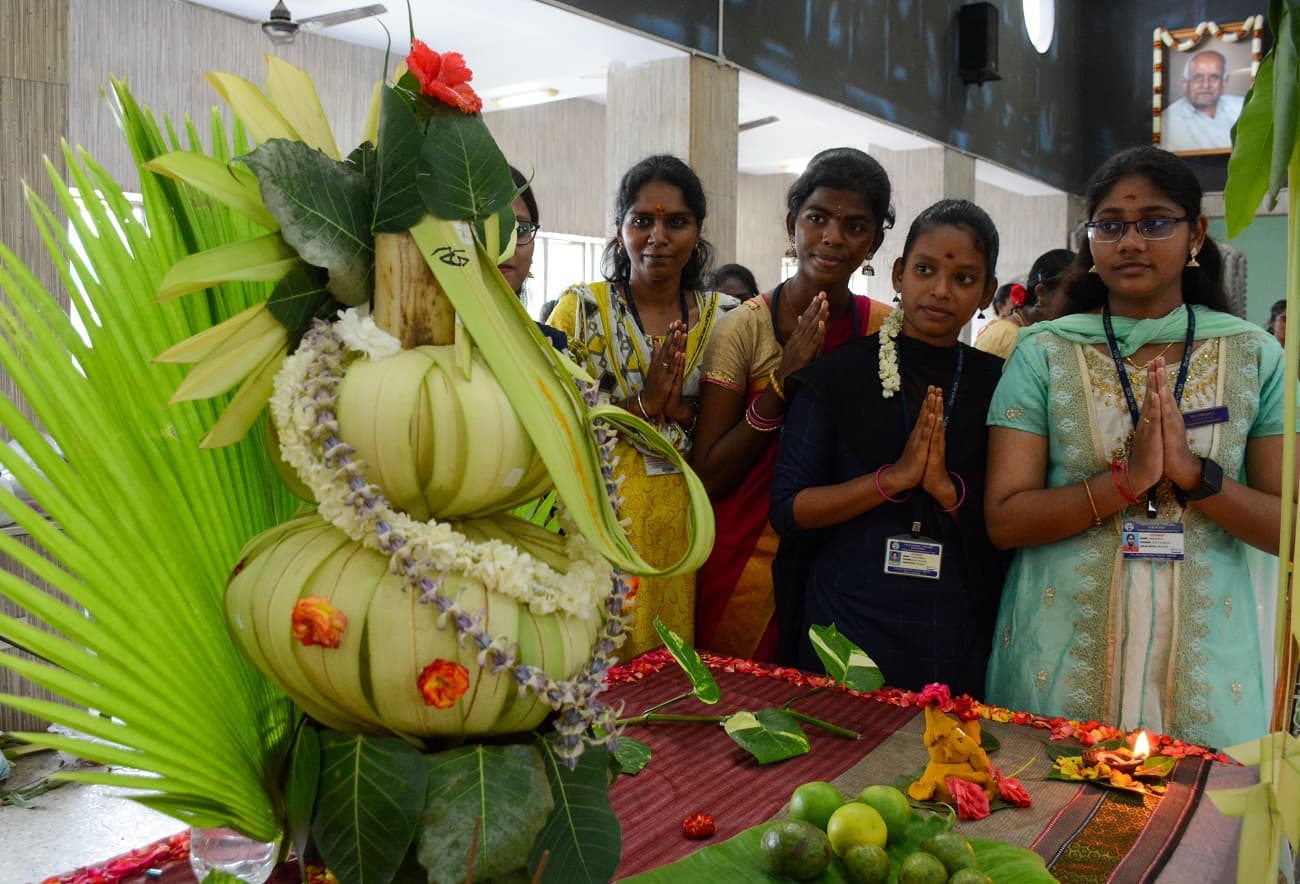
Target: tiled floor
<point>69,827</point>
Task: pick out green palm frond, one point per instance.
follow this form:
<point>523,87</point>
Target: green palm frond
<point>148,525</point>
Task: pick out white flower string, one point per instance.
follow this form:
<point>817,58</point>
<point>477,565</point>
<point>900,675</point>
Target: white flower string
<point>359,332</point>
<point>889,378</point>
<point>423,553</point>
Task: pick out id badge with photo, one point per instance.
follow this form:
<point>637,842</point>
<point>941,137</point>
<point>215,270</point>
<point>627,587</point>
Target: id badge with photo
<point>660,466</point>
<point>913,555</point>
<point>1143,539</point>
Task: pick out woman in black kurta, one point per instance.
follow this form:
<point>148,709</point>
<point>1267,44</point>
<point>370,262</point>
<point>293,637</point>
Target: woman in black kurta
<point>851,448</point>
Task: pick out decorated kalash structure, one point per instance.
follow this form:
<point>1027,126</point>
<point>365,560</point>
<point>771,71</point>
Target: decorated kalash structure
<point>313,449</point>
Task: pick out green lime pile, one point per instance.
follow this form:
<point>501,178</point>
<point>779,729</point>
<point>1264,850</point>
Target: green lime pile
<point>866,834</point>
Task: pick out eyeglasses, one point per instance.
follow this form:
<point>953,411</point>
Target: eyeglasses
<point>1147,228</point>
<point>525,231</point>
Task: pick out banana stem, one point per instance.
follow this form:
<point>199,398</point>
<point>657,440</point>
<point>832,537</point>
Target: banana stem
<point>409,303</point>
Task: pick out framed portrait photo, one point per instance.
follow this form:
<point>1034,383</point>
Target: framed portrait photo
<point>1200,77</point>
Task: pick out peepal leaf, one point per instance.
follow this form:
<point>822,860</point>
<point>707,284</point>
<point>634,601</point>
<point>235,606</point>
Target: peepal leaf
<point>770,735</point>
<point>582,834</point>
<point>462,174</point>
<point>632,756</point>
<point>1252,137</point>
<point>300,297</point>
<point>323,207</point>
<point>845,662</point>
<point>505,788</point>
<point>300,787</point>
<point>372,791</point>
<point>397,200</point>
<point>702,681</point>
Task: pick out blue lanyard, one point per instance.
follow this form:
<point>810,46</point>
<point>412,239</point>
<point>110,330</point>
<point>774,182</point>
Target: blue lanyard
<point>1133,411</point>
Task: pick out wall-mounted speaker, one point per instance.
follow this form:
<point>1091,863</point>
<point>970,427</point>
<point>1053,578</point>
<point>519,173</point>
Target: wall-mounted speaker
<point>977,43</point>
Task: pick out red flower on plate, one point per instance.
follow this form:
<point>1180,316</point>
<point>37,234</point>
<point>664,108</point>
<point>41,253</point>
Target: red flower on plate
<point>936,692</point>
<point>1010,789</point>
<point>442,683</point>
<point>444,77</point>
<point>972,802</point>
<point>317,622</point>
<point>698,825</point>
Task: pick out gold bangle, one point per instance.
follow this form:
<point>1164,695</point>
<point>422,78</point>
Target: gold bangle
<point>776,386</point>
<point>1096,518</point>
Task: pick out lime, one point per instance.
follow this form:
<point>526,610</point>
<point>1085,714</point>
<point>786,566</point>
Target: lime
<point>796,849</point>
<point>856,823</point>
<point>815,802</point>
<point>953,851</point>
<point>922,868</point>
<point>866,864</point>
<point>970,876</point>
<point>893,807</point>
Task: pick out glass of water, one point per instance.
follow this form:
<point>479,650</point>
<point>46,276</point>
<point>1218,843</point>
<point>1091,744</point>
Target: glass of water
<point>228,851</point>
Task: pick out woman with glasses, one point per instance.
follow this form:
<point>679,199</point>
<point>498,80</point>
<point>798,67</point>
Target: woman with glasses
<point>1147,411</point>
<point>516,268</point>
<point>641,334</point>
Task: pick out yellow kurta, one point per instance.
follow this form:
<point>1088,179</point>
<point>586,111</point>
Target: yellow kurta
<point>605,339</point>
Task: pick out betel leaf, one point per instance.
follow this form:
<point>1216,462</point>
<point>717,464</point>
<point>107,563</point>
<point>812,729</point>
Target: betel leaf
<point>397,201</point>
<point>323,207</point>
<point>300,787</point>
<point>504,788</point>
<point>1252,140</point>
<point>702,682</point>
<point>845,662</point>
<point>582,839</point>
<point>770,735</point>
<point>631,755</point>
<point>300,297</point>
<point>462,174</point>
<point>372,792</point>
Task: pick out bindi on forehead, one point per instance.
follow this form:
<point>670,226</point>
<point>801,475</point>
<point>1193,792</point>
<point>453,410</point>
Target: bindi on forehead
<point>949,256</point>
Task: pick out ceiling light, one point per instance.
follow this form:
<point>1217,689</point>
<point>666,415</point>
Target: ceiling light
<point>796,165</point>
<point>523,99</point>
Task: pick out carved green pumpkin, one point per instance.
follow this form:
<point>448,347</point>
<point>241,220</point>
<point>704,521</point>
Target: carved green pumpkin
<point>369,682</point>
<point>438,434</point>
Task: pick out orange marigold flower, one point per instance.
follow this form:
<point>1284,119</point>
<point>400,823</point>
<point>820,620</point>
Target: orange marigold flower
<point>317,622</point>
<point>444,77</point>
<point>442,683</point>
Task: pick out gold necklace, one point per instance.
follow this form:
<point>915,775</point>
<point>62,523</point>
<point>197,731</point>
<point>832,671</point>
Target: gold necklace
<point>1143,366</point>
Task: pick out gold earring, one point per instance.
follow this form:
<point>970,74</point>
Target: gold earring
<point>790,250</point>
<point>1191,261</point>
<point>867,269</point>
<point>1092,269</point>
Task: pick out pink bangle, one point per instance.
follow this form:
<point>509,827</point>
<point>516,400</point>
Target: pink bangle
<point>760,423</point>
<point>881,491</point>
<point>961,498</point>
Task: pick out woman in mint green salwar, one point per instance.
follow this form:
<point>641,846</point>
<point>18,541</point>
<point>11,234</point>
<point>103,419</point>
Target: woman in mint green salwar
<point>1086,629</point>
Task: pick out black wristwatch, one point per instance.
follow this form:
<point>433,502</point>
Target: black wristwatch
<point>1211,481</point>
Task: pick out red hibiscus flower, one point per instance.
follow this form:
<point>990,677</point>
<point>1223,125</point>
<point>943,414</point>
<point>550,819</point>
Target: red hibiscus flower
<point>698,825</point>
<point>317,622</point>
<point>1010,789</point>
<point>936,693</point>
<point>442,683</point>
<point>444,77</point>
<point>972,803</point>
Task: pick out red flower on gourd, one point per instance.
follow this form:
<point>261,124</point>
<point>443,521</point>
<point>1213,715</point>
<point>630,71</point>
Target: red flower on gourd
<point>1010,789</point>
<point>317,622</point>
<point>698,825</point>
<point>972,803</point>
<point>442,683</point>
<point>444,77</point>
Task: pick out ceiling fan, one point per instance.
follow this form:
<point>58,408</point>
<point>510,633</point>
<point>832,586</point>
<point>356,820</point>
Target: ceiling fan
<point>281,28</point>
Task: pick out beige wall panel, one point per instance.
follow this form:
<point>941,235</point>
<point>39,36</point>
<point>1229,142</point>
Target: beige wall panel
<point>164,65</point>
<point>917,179</point>
<point>647,112</point>
<point>561,146</point>
<point>1027,227</point>
<point>33,40</point>
<point>761,239</point>
<point>715,110</point>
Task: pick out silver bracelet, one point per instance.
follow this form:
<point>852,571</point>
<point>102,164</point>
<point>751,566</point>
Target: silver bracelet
<point>641,405</point>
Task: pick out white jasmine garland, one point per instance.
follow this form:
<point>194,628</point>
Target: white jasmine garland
<point>889,377</point>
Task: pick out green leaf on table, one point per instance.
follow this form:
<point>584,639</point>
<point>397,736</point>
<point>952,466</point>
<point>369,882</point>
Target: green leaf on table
<point>702,680</point>
<point>372,792</point>
<point>582,839</point>
<point>505,788</point>
<point>1004,862</point>
<point>462,174</point>
<point>299,297</point>
<point>903,782</point>
<point>1252,140</point>
<point>770,735</point>
<point>988,742</point>
<point>216,876</point>
<point>397,203</point>
<point>300,787</point>
<point>845,662</point>
<point>1159,764</point>
<point>324,210</point>
<point>631,755</point>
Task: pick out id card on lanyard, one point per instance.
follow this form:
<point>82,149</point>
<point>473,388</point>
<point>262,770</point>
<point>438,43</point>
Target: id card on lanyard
<point>1149,539</point>
<point>914,554</point>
